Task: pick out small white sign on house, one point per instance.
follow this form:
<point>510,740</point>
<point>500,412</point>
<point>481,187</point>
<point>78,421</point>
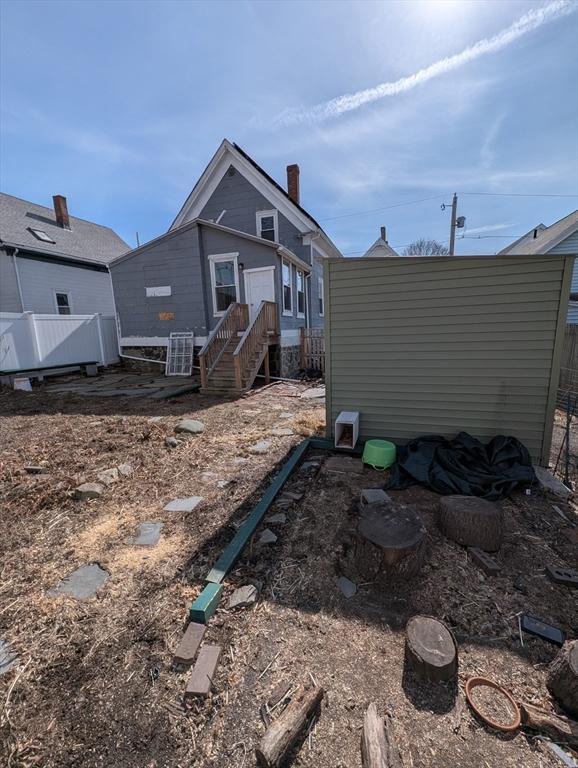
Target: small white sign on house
<point>158,290</point>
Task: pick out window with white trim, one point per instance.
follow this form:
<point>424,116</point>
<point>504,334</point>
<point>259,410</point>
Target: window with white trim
<point>300,293</point>
<point>267,226</point>
<point>224,281</point>
<point>321,296</point>
<point>287,289</point>
<point>63,304</point>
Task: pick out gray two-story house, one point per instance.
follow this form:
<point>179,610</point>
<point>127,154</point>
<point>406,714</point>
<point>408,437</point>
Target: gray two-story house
<point>241,267</point>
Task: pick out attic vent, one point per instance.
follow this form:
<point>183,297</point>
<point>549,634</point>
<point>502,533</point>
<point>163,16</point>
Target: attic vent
<point>231,171</point>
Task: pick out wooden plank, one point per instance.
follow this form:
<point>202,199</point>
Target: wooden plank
<point>203,672</point>
<point>189,645</point>
<point>231,553</point>
<point>206,603</point>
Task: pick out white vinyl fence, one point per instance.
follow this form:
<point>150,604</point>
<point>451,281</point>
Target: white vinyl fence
<point>29,340</point>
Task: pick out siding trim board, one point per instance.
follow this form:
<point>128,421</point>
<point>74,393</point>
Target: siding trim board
<point>439,345</point>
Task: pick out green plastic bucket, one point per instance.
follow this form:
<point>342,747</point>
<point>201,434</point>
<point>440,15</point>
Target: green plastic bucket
<point>379,454</point>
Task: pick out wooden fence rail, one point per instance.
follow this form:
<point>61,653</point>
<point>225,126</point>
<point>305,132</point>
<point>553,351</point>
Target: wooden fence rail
<point>312,349</point>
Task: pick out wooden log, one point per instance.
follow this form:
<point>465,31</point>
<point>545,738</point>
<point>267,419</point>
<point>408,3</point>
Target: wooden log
<point>472,522</point>
<point>378,748</point>
<point>562,730</point>
<point>390,542</point>
<point>430,649</point>
<point>283,734</point>
<point>563,677</point>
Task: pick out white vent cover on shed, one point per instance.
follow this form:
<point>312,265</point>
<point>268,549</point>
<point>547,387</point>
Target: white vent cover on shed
<point>180,354</point>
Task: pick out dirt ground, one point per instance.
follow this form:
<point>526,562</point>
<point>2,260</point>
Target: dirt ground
<point>94,685</point>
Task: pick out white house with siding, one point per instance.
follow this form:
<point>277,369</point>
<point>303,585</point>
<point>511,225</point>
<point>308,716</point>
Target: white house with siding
<point>559,239</point>
<point>53,263</point>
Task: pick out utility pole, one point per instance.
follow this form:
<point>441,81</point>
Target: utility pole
<point>453,224</point>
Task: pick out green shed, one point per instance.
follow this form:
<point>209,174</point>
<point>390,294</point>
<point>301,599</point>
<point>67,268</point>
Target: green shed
<point>437,345</point>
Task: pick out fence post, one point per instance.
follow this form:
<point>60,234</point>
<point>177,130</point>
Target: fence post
<point>100,341</point>
<point>34,336</point>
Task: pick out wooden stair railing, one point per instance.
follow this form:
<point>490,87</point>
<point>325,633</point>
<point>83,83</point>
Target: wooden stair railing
<point>252,342</point>
<point>235,319</point>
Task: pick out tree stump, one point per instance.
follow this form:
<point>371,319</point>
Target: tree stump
<point>390,543</point>
<point>563,677</point>
<point>472,522</point>
<point>430,649</point>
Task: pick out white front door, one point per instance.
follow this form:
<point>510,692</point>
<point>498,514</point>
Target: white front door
<point>259,286</point>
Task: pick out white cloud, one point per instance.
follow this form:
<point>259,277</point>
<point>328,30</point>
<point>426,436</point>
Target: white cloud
<point>352,101</point>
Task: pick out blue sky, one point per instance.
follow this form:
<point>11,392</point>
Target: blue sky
<point>119,106</point>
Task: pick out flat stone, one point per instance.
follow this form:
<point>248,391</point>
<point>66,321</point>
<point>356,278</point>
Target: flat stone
<point>267,537</point>
<point>189,645</point>
<point>347,465</point>
<point>223,483</point>
<point>277,519</point>
<point>550,483</point>
<point>240,460</point>
<point>203,672</point>
<point>148,535</point>
<point>83,583</point>
<point>8,657</point>
<point>260,447</point>
<point>347,587</point>
<point>154,419</point>
<point>286,415</point>
<point>208,477</point>
<point>32,469</point>
<point>108,476</point>
<point>374,496</point>
<point>125,469</point>
<point>88,491</point>
<point>243,597</point>
<point>282,432</point>
<point>171,442</point>
<point>190,426</point>
<point>183,505</point>
<point>313,393</point>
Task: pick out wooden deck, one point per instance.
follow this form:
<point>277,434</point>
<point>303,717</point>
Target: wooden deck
<point>125,384</point>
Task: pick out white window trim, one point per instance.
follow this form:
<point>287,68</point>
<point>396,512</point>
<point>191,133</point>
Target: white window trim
<point>286,312</point>
<point>321,295</point>
<point>302,273</point>
<point>213,259</point>
<point>68,295</point>
<point>261,215</point>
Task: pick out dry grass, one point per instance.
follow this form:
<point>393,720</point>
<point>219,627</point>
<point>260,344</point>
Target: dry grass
<point>309,423</point>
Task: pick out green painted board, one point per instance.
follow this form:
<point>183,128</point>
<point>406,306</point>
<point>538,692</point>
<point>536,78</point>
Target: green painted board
<point>206,603</point>
<point>230,554</point>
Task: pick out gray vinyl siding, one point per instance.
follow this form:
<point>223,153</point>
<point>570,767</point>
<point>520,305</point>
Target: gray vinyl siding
<point>89,291</point>
<point>241,200</point>
<point>436,346</point>
<point>251,256</point>
<point>569,247</point>
<point>9,295</point>
<point>172,261</point>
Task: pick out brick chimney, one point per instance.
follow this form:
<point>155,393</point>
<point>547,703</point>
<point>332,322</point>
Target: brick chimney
<point>293,182</point>
<point>383,237</point>
<point>61,211</point>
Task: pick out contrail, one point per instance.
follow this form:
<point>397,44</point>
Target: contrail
<point>350,101</point>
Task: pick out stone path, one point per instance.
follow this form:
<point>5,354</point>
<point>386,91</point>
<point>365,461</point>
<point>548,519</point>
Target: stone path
<point>148,535</point>
<point>183,505</point>
<point>83,583</point>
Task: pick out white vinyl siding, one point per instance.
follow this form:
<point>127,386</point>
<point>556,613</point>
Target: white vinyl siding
<point>40,280</point>
<point>436,345</point>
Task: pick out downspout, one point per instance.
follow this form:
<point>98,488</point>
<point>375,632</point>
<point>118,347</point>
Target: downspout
<point>18,283</point>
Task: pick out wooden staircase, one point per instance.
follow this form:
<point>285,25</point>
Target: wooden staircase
<point>236,349</point>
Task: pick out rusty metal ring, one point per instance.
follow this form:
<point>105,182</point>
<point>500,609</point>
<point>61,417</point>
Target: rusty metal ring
<point>474,682</point>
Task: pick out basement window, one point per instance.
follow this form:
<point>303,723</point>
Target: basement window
<point>300,293</point>
<point>40,234</point>
<point>224,281</point>
<point>267,225</point>
<point>287,289</point>
<point>63,306</point>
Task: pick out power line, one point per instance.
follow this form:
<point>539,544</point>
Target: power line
<point>385,208</point>
<point>515,194</point>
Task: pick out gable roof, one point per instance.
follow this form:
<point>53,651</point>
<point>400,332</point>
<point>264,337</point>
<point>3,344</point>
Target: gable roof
<point>84,241</point>
<point>546,237</point>
<point>219,227</point>
<point>379,249</point>
<point>231,154</point>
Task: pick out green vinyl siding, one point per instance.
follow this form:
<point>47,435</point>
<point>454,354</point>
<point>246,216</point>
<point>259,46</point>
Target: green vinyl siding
<point>440,345</point>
